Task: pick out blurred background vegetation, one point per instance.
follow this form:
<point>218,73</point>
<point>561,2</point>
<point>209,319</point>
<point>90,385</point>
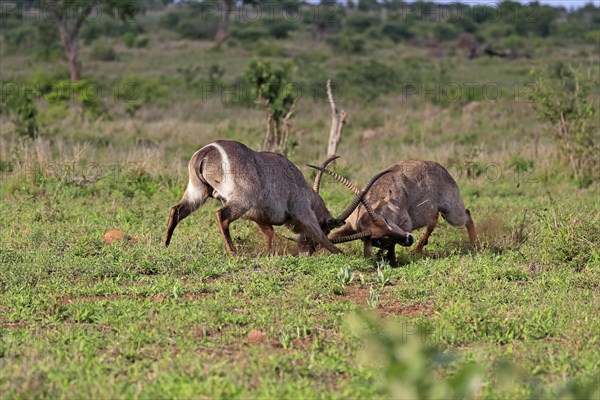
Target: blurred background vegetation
<point>504,95</point>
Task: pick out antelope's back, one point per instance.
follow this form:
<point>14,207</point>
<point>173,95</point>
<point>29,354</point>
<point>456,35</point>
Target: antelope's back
<point>413,181</point>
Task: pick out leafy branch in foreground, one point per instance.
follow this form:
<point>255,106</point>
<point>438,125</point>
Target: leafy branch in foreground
<point>414,368</point>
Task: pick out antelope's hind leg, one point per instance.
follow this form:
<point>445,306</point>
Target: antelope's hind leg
<point>462,218</point>
<point>471,229</point>
<point>225,216</point>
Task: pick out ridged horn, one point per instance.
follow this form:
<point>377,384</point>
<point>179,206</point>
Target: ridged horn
<point>359,195</point>
<point>349,238</point>
<point>346,213</point>
<point>320,173</point>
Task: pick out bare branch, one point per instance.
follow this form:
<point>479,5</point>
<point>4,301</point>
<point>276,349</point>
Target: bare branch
<point>338,119</point>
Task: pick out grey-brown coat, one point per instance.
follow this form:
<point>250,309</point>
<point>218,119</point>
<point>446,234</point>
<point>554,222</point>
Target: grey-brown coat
<point>262,187</point>
<point>410,197</point>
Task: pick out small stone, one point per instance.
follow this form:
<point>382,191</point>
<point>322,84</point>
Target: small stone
<point>255,336</point>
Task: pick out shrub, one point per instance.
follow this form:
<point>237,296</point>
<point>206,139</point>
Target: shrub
<point>280,28</point>
<point>142,42</point>
<point>107,27</point>
<point>131,40</point>
<point>191,23</point>
<point>564,98</point>
<point>21,108</point>
<point>136,91</point>
<point>84,93</point>
<point>360,22</point>
<point>274,88</point>
<point>350,44</point>
<point>268,49</point>
<point>397,31</point>
<point>248,32</point>
<point>593,37</point>
<point>103,52</point>
<point>445,32</point>
<point>368,79</point>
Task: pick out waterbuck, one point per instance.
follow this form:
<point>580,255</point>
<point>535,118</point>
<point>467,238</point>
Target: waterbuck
<point>263,187</point>
<point>410,197</point>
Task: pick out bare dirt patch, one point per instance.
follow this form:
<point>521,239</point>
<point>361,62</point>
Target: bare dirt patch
<point>388,304</point>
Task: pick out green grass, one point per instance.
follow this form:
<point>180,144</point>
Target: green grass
<point>80,318</point>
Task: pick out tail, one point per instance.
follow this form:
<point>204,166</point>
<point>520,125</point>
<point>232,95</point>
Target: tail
<point>195,195</point>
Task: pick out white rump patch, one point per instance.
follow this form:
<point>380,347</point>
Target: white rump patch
<point>226,187</point>
<point>194,193</point>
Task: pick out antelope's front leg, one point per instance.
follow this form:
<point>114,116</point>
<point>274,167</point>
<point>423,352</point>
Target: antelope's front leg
<point>368,247</point>
<point>391,256</point>
<point>268,232</point>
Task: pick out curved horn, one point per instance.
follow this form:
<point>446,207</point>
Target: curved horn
<point>359,195</point>
<point>320,173</point>
<point>346,213</point>
<point>349,238</point>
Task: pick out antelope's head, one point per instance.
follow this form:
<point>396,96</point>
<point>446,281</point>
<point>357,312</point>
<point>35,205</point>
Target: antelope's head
<point>376,223</point>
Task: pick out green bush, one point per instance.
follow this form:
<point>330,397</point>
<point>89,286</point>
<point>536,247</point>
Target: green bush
<point>191,23</point>
<point>280,28</point>
<point>142,42</point>
<point>445,32</point>
<point>349,44</point>
<point>368,80</point>
<point>397,31</point>
<point>268,49</point>
<point>20,106</point>
<point>107,27</point>
<point>103,52</point>
<point>83,93</point>
<point>360,22</point>
<point>248,32</point>
<point>273,87</point>
<point>136,91</point>
<point>593,37</point>
<point>565,99</point>
<point>131,40</point>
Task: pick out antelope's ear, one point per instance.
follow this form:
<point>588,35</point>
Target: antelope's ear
<point>335,223</point>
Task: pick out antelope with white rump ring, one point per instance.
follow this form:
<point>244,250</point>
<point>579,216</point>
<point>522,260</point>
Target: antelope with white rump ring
<point>263,187</point>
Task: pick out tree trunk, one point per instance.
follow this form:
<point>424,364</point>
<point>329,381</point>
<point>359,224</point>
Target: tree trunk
<point>73,56</point>
<point>223,31</point>
<point>70,43</point>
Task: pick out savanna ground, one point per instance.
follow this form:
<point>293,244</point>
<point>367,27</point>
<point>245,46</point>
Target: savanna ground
<point>80,318</point>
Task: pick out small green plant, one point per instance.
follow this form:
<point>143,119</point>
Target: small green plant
<point>286,340</point>
<point>177,290</point>
<point>345,275</point>
<point>384,272</point>
<point>373,300</point>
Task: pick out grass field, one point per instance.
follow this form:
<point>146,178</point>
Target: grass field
<point>80,318</point>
